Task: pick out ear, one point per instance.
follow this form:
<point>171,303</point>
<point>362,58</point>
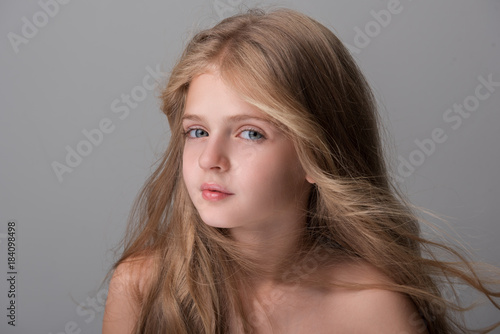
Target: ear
<point>309,179</point>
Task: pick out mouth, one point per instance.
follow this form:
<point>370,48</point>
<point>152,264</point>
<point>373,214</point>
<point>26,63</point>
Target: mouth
<point>214,192</point>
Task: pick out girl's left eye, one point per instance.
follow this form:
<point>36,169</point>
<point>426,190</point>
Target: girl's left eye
<point>251,135</point>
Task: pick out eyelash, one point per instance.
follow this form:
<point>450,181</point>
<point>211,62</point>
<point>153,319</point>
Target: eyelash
<point>259,132</point>
<point>186,133</point>
<point>262,137</point>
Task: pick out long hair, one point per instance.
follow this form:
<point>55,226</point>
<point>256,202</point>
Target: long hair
<point>298,73</point>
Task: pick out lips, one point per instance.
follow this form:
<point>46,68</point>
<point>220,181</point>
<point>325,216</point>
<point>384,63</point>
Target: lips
<point>214,192</point>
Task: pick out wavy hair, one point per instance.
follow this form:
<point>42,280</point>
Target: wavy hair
<point>300,75</point>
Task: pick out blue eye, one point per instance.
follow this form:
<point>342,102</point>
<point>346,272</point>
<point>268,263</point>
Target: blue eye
<point>251,135</point>
<point>197,133</point>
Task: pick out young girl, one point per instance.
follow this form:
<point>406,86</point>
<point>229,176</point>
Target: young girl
<point>271,210</point>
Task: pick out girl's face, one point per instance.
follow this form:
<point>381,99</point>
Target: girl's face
<point>241,172</point>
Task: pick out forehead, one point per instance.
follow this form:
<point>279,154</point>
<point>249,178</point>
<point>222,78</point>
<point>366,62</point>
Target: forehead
<point>209,95</point>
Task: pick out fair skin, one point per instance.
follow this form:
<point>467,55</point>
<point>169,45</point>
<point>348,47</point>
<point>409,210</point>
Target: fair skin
<point>242,173</point>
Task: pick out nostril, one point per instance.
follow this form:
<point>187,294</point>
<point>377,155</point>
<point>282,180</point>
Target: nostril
<point>214,154</point>
<point>212,161</point>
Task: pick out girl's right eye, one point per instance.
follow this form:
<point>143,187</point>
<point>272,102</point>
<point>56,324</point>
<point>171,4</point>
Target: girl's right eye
<point>196,133</point>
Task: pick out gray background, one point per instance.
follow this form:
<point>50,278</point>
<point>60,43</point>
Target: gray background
<point>65,78</point>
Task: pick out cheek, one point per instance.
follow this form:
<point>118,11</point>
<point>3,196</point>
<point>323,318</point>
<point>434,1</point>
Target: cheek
<point>188,170</point>
<point>185,163</point>
<point>189,160</point>
<point>275,174</point>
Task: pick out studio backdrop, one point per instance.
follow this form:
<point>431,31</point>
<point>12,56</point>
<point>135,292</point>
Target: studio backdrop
<point>81,128</point>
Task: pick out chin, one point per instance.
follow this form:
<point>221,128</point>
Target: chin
<point>218,224</point>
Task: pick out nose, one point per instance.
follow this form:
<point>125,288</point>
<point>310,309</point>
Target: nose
<point>214,155</point>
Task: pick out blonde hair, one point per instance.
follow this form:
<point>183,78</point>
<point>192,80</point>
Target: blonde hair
<point>298,73</point>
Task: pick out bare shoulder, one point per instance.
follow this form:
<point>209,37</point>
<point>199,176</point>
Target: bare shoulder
<point>126,287</point>
<point>370,310</point>
<point>134,272</point>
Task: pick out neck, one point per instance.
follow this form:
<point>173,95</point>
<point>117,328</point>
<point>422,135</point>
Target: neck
<point>270,246</point>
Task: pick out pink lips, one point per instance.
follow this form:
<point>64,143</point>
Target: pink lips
<point>214,192</point>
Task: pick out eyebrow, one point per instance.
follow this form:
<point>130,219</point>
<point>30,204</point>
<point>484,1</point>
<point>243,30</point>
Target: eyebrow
<point>231,119</point>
